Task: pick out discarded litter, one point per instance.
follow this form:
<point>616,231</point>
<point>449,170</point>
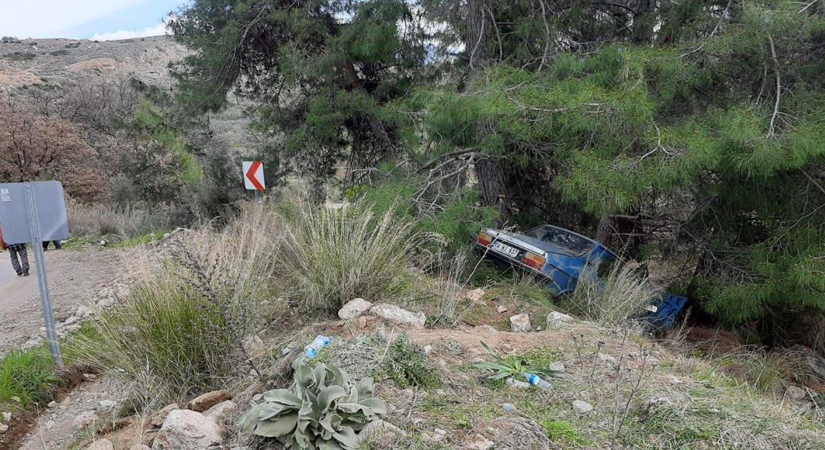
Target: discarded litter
<point>312,350</point>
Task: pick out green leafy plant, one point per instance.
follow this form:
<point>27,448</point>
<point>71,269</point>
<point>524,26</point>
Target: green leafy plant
<point>406,364</point>
<point>505,368</point>
<point>322,409</point>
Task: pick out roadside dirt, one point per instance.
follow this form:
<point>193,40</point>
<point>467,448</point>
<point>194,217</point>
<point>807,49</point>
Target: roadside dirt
<point>75,277</point>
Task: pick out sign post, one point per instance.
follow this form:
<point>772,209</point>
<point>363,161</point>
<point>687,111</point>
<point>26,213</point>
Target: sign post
<point>36,213</point>
<point>254,178</point>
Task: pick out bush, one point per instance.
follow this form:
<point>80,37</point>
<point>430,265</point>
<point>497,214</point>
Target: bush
<point>323,409</point>
<point>28,376</point>
<point>122,221</point>
<point>406,364</point>
<point>611,299</point>
<point>181,332</point>
<point>331,256</point>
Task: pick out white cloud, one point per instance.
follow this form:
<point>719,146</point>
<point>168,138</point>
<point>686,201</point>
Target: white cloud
<point>125,34</point>
<point>47,18</point>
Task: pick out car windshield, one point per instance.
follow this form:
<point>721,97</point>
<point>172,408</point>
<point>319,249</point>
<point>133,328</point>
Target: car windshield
<point>561,238</point>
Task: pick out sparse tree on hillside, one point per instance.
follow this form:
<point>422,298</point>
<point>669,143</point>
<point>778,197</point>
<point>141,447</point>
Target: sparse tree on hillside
<point>33,147</point>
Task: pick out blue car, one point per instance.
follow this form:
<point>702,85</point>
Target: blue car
<point>556,254</point>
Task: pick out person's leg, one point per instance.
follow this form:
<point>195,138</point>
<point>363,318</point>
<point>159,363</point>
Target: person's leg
<point>15,264</point>
<point>57,245</point>
<point>45,245</point>
<point>24,259</point>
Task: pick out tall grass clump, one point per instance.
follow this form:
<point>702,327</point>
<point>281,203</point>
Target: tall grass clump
<point>330,256</point>
<point>182,331</point>
<point>27,375</point>
<point>610,299</point>
<point>122,221</point>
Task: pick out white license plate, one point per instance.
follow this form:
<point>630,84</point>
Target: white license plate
<point>505,249</point>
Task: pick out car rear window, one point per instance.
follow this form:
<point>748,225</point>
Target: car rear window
<point>561,238</point>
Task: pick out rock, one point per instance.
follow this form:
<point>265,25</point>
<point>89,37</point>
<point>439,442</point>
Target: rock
<point>160,416</point>
<point>354,308</point>
<point>105,302</point>
<point>108,404</point>
<point>52,404</point>
<point>673,379</point>
<point>222,411</point>
<point>607,358</point>
<point>84,311</point>
<point>140,447</point>
<point>796,393</point>
<point>556,320</point>
<point>476,441</point>
<point>475,295</point>
<point>395,314</point>
<point>84,420</point>
<point>71,320</point>
<point>520,323</point>
<point>49,425</point>
<point>89,377</point>
<point>439,435</point>
<point>6,417</point>
<point>501,309</point>
<point>582,407</point>
<point>101,444</point>
<point>187,430</point>
<point>513,383</point>
<point>362,322</point>
<point>557,366</point>
<point>658,402</point>
<point>16,399</point>
<point>3,428</point>
<point>30,344</point>
<point>208,400</point>
<point>428,349</point>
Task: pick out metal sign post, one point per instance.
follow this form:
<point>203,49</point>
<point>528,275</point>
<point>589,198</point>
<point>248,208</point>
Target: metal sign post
<point>42,278</point>
<point>33,213</point>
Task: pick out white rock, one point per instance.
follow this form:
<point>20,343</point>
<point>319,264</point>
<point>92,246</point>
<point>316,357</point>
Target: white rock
<point>607,358</point>
<point>140,447</point>
<point>513,383</point>
<point>557,366</point>
<point>556,320</point>
<point>3,428</point>
<point>108,404</point>
<point>354,308</point>
<point>84,311</point>
<point>475,295</point>
<point>658,402</point>
<point>101,444</point>
<point>395,314</point>
<point>582,407</point>
<point>84,419</point>
<point>187,430</point>
<point>520,323</point>
<point>71,320</point>
<point>673,379</point>
<point>30,344</point>
<point>52,404</point>
<point>796,393</point>
<point>160,416</point>
<point>6,417</point>
<point>501,309</point>
<point>476,441</point>
<point>222,411</point>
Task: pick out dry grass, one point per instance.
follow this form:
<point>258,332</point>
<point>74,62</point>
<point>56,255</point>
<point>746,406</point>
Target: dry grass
<point>183,329</point>
<point>103,220</point>
<point>331,256</point>
<point>610,300</point>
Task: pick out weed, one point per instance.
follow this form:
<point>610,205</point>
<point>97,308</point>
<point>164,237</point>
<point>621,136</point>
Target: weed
<point>406,364</point>
<point>29,376</point>
<point>560,430</point>
<point>612,299</point>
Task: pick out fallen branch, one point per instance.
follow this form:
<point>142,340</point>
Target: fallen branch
<point>772,128</point>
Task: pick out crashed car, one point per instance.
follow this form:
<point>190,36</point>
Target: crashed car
<point>556,254</point>
<point>560,257</point>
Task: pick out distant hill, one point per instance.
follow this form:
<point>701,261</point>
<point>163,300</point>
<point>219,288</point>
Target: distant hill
<point>52,62</point>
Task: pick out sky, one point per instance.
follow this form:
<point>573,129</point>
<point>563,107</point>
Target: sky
<point>85,19</point>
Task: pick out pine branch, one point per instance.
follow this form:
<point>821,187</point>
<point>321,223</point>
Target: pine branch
<point>772,128</point>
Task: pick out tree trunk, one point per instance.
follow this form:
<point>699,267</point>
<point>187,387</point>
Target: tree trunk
<point>605,230</point>
<point>492,186</point>
<point>478,34</point>
<point>643,21</point>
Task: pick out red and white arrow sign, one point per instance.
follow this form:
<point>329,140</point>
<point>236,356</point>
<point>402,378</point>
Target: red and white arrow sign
<point>254,175</point>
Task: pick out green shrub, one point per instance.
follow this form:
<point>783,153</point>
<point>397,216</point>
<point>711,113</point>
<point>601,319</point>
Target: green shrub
<point>181,332</point>
<point>20,56</point>
<point>323,409</point>
<point>331,256</point>
<point>406,364</point>
<point>28,376</point>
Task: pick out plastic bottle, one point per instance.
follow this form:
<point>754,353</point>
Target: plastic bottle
<point>536,381</point>
<point>312,350</point>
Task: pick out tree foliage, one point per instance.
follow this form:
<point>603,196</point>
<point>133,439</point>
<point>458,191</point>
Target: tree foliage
<point>694,126</point>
